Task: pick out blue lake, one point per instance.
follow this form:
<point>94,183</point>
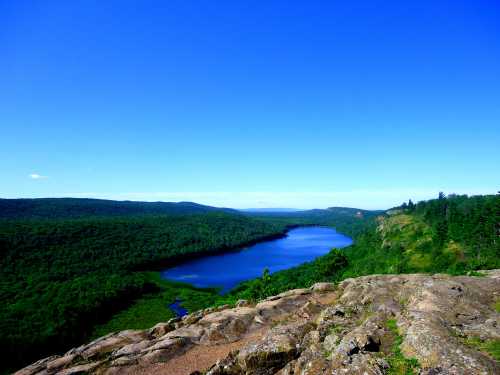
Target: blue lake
<point>227,270</point>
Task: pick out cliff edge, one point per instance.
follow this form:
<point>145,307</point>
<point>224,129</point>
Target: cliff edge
<point>378,324</point>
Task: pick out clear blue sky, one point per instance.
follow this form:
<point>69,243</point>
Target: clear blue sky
<point>250,103</point>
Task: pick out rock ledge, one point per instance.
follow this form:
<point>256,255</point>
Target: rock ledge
<point>327,329</point>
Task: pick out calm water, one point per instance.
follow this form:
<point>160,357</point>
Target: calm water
<point>227,270</point>
<point>177,308</point>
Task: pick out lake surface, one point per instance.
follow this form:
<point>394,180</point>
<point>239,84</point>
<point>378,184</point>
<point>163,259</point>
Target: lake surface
<point>227,270</point>
<point>177,308</point>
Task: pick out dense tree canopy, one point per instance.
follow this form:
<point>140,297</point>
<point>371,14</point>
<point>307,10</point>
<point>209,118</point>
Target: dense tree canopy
<point>64,208</point>
<point>60,277</point>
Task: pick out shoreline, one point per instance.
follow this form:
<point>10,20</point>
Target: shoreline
<point>179,259</point>
<point>173,306</point>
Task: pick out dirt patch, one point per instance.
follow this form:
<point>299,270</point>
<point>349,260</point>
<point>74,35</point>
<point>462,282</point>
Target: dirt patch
<point>326,298</point>
<point>199,358</point>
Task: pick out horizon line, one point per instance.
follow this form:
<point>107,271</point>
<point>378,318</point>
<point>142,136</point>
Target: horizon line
<point>380,199</point>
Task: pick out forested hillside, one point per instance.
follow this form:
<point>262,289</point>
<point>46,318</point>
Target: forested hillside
<point>454,234</point>
<point>60,208</point>
<point>58,278</point>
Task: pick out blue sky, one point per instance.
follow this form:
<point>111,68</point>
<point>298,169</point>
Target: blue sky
<point>250,104</point>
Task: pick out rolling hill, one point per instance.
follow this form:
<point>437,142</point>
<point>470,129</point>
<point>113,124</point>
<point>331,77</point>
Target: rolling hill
<point>52,208</point>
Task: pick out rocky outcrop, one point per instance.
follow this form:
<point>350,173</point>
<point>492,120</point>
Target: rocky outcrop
<point>368,325</point>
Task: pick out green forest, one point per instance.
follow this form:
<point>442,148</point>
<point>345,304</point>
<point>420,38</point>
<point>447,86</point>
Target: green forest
<point>59,278</point>
<point>68,279</point>
<point>66,208</point>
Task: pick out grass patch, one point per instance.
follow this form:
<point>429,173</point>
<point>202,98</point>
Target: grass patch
<point>152,308</point>
<point>399,364</point>
<point>497,306</point>
<point>420,261</point>
<point>143,314</point>
<point>194,299</point>
<point>335,329</point>
<point>492,347</point>
<point>403,302</point>
<point>475,273</point>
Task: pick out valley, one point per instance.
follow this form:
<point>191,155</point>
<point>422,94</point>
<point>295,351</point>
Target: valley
<point>100,269</point>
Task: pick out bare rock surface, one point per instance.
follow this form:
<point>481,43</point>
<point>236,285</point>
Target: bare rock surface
<point>350,328</point>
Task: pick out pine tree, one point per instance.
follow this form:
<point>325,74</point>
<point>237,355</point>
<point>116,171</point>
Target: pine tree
<point>411,205</point>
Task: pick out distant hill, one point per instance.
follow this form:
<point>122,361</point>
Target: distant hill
<point>344,211</point>
<point>271,210</point>
<point>331,212</point>
<point>40,208</point>
<point>347,211</point>
<point>347,220</point>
